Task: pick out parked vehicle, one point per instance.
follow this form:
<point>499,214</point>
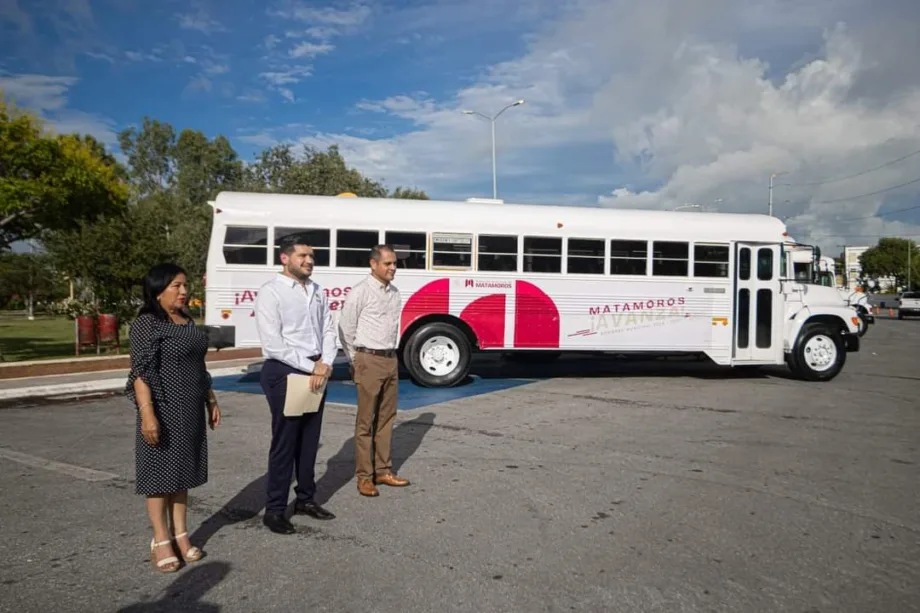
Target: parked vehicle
<point>490,276</point>
<point>908,304</point>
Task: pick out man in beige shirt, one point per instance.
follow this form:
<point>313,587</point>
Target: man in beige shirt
<point>369,330</point>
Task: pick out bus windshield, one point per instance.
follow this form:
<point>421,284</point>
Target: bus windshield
<point>825,278</point>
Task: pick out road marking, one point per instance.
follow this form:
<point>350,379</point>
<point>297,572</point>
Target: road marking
<point>71,470</point>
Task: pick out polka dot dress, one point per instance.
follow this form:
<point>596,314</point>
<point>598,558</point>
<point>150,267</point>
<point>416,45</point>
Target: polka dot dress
<point>169,357</point>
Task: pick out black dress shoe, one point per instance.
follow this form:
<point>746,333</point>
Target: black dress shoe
<point>278,524</point>
<point>313,510</point>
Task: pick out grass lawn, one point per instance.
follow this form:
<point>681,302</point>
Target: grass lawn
<point>43,338</point>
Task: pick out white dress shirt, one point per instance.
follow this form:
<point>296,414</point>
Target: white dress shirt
<point>294,323</point>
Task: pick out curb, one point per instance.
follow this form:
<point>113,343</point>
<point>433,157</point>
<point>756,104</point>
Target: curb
<point>99,385</point>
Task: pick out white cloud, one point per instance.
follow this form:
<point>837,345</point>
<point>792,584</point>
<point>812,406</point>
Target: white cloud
<point>47,96</point>
<point>200,20</point>
<point>355,15</point>
<point>309,50</point>
<point>661,103</point>
<point>260,139</point>
<point>41,93</point>
<point>287,75</point>
<point>139,56</point>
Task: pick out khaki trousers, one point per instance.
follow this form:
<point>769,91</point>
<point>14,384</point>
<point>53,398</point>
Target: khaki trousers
<point>377,380</point>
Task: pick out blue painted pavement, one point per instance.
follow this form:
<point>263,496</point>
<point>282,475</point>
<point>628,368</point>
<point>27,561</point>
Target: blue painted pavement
<point>411,396</point>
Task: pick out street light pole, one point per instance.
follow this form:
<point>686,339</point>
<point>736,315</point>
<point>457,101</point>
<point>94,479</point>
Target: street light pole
<point>492,120</point>
<point>494,173</point>
<point>770,205</point>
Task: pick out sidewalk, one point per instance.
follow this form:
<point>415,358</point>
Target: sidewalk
<point>68,366</point>
<point>102,379</point>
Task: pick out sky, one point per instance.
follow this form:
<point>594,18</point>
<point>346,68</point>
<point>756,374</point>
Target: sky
<point>654,104</point>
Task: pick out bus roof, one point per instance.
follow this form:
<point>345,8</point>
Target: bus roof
<point>243,208</point>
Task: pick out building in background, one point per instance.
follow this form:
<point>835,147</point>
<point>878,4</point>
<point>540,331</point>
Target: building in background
<point>853,275</point>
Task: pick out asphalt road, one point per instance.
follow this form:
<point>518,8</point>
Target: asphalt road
<point>659,487</point>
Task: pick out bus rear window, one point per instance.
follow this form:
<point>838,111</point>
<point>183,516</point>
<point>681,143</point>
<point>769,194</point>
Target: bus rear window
<point>246,245</point>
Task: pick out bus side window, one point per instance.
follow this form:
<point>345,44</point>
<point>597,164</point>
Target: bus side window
<point>411,249</point>
<point>497,253</point>
<point>246,245</point>
<point>542,254</point>
<point>585,256</point>
<point>317,239</point>
<point>628,257</point>
<point>353,247</point>
<point>671,259</point>
<point>710,261</point>
<point>744,263</point>
<point>452,250</point>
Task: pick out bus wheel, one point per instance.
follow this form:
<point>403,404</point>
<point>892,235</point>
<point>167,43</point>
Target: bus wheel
<point>438,355</point>
<point>819,354</point>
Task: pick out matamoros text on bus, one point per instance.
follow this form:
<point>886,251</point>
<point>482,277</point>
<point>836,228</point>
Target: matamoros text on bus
<point>540,280</point>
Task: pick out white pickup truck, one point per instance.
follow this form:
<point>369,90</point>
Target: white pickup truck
<point>908,304</point>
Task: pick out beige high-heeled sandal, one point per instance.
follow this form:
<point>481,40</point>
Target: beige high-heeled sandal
<point>166,565</point>
<point>193,554</point>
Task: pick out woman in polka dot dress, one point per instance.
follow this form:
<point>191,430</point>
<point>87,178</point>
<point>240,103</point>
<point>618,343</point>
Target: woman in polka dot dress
<point>171,389</point>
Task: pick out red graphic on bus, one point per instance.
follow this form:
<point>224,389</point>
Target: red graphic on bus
<point>486,316</point>
<point>536,318</point>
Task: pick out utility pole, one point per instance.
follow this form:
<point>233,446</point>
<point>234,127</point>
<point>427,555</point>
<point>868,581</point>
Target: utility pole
<point>910,247</point>
<point>770,205</point>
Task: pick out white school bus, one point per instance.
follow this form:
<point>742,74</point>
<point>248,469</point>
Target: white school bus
<point>490,276</point>
<point>810,267</point>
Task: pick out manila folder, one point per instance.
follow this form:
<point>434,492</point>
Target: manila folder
<point>299,399</point>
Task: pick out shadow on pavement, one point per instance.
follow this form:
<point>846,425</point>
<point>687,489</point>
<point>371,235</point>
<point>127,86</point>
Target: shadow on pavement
<point>340,470</point>
<point>244,506</point>
<point>187,591</point>
<point>249,502</point>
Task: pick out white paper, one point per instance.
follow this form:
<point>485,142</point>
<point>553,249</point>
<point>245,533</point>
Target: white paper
<point>299,399</point>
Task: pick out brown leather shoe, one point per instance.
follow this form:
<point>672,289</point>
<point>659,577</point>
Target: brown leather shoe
<point>366,488</point>
<point>391,480</point>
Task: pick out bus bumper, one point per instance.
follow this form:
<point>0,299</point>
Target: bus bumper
<point>851,342</point>
<point>221,337</point>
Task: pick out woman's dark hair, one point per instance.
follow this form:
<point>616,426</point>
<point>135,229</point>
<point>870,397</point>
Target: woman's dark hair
<point>158,279</point>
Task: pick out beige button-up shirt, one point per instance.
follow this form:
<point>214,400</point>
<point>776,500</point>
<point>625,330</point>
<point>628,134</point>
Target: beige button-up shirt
<point>370,317</point>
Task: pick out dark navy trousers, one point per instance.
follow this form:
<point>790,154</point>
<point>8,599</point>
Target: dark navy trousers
<point>295,441</point>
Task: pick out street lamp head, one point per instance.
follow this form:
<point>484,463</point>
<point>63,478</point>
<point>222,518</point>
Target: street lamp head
<point>518,103</point>
<point>467,112</point>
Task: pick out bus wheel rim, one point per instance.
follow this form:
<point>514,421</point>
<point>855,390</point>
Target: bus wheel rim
<point>820,353</point>
<point>439,356</point>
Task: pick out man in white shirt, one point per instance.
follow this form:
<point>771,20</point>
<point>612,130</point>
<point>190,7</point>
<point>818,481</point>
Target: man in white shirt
<point>369,330</point>
<point>298,337</point>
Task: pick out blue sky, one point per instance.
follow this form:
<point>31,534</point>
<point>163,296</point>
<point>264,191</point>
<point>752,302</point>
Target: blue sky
<point>652,104</point>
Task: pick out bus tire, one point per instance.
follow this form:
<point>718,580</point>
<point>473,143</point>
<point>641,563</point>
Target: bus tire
<point>819,354</point>
<point>438,355</point>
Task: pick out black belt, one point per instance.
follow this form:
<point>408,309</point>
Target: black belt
<point>385,353</point>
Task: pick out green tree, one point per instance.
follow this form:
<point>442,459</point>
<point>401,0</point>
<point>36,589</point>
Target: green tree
<point>176,176</point>
<point>317,173</point>
<point>407,193</point>
<point>889,258</point>
<point>51,181</point>
<point>31,277</point>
